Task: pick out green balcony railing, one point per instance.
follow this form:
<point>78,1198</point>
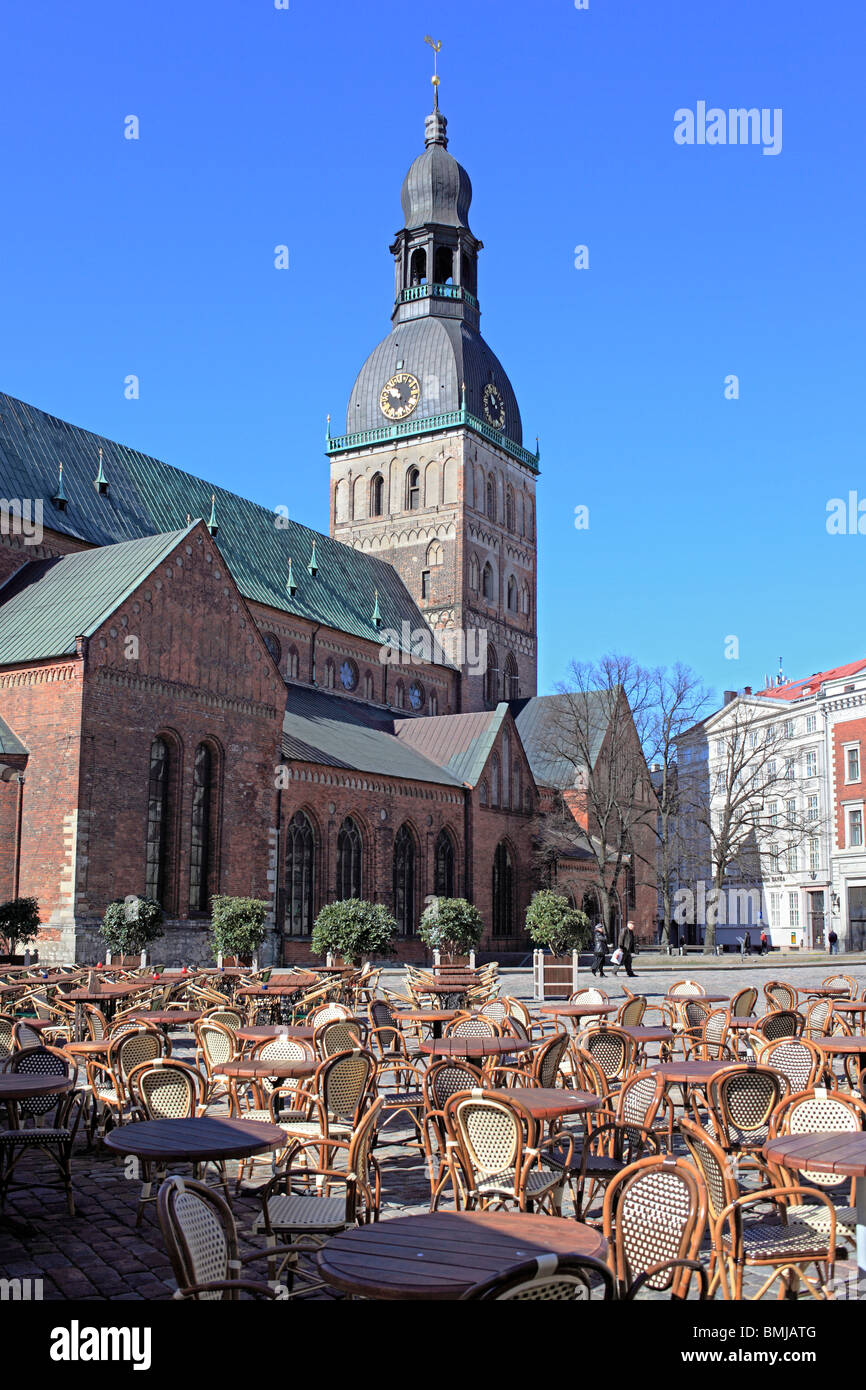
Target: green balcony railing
<point>436,292</point>
<point>406,429</point>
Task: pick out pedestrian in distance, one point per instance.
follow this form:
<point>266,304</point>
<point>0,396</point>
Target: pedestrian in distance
<point>599,949</point>
<point>833,940</point>
<point>626,945</point>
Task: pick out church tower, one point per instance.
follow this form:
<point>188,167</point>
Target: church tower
<point>431,474</point>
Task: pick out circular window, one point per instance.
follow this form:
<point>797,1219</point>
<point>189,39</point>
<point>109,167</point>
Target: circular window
<point>349,675</point>
<point>416,695</point>
<point>273,646</point>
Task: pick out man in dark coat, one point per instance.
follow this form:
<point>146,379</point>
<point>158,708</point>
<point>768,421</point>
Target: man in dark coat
<point>626,944</point>
<point>599,947</point>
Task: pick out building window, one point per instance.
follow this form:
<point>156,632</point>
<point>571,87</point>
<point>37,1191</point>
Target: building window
<point>525,601</point>
<point>349,675</point>
<point>794,909</point>
<point>503,892</point>
<point>349,854</point>
<point>425,584</point>
<point>404,881</point>
<point>300,875</point>
<point>494,780</point>
<point>368,686</point>
<point>330,674</point>
<point>771,770</point>
<point>418,267</point>
<point>516,797</point>
<point>156,864</point>
<point>811,723</point>
<point>413,490</point>
<point>487,581</point>
<point>788,728</point>
<point>473,574</point>
<point>814,855</point>
<point>789,769</point>
<point>434,704</point>
<point>272,643</point>
<point>773,856</point>
<point>491,497</point>
<point>491,678</point>
<point>443,876</point>
<point>791,811</point>
<point>416,695</point>
<point>483,799</point>
<point>506,769</point>
<point>511,594</point>
<point>812,763</point>
<point>773,812</point>
<point>855,828</point>
<point>852,763</point>
<point>400,695</point>
<point>793,859</point>
<point>812,807</point>
<point>293,663</point>
<point>435,554</point>
<point>509,509</point>
<point>377,492</point>
<point>774,909</point>
<point>201,830</point>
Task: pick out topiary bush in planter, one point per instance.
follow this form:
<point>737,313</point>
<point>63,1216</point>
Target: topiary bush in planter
<point>237,926</point>
<point>552,921</point>
<point>130,924</point>
<point>19,923</point>
<point>452,925</point>
<point>354,929</point>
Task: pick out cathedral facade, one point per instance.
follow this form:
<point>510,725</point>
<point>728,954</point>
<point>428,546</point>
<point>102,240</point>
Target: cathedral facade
<point>200,696</point>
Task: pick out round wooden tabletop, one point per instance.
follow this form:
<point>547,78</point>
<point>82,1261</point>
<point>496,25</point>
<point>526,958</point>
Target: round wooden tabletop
<point>696,998</point>
<point>850,1006</point>
<point>839,1042</point>
<point>824,991</point>
<point>441,987</point>
<point>256,1031</point>
<point>166,1016</point>
<point>743,1021</point>
<point>645,1035</point>
<point>824,1153</point>
<point>689,1073</point>
<point>290,986</point>
<point>106,990</point>
<point>569,1010</point>
<point>474,1047</point>
<point>426,1015</point>
<point>443,1254</point>
<point>26,1085</point>
<point>88,1047</point>
<point>195,1140</point>
<point>549,1102</point>
<point>252,1067</point>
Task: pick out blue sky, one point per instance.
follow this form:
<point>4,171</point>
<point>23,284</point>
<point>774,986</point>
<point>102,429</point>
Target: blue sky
<point>262,126</point>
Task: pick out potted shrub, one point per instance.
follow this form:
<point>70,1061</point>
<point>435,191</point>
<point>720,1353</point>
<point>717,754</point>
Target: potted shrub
<point>19,923</point>
<point>354,929</point>
<point>452,925</point>
<point>237,927</point>
<point>130,924</point>
<point>552,923</point>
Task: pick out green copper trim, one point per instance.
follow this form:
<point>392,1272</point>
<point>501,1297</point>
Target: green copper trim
<point>452,419</point>
<point>436,292</point>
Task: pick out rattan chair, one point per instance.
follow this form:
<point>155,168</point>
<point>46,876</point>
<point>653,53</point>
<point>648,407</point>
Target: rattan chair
<point>630,1014</point>
<point>548,1278</point>
<point>7,1024</point>
<point>334,1100</point>
<point>819,1019</point>
<point>684,989</point>
<point>741,1099</point>
<point>613,1049</point>
<point>833,981</point>
<point>801,1062</point>
<point>215,1045</point>
<point>47,1124</point>
<point>743,1002</point>
<point>440,1082</point>
<point>616,1137</point>
<point>472,1026</point>
<point>787,1248</point>
<point>166,1089</point>
<point>108,1079</point>
<point>201,1239</point>
<point>500,1155</point>
<point>780,1023</point>
<point>654,1218</point>
<point>818,1111</point>
<point>780,995</point>
<point>589,995</point>
<point>712,1040</point>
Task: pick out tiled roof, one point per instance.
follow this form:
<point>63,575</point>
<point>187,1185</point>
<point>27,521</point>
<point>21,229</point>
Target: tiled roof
<point>48,603</point>
<point>543,725</point>
<point>9,743</point>
<point>319,727</point>
<point>147,497</point>
<point>459,742</point>
<point>795,690</point>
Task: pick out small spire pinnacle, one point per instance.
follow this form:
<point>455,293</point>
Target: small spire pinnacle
<point>291,586</point>
<point>312,567</point>
<point>100,482</point>
<point>435,79</point>
<point>213,524</point>
<point>328,430</point>
<point>377,616</point>
<point>59,498</point>
<point>189,518</point>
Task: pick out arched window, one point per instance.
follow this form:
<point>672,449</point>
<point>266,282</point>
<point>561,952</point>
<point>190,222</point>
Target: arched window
<point>511,680</point>
<point>483,798</point>
<point>503,891</point>
<point>530,523</point>
<point>474,578</point>
<point>491,678</point>
<point>330,674</point>
<point>272,642</point>
<point>511,594</point>
<point>404,881</point>
<point>443,265</point>
<point>524,600</point>
<point>377,489</point>
<point>494,780</point>
<point>509,509</point>
<point>158,828</point>
<point>349,855</point>
<point>368,685</point>
<point>300,875</point>
<point>516,797</point>
<point>443,877</point>
<point>293,664</point>
<point>435,553</point>
<point>418,267</point>
<point>487,581</point>
<point>413,490</point>
<point>400,695</point>
<point>201,843</point>
<point>506,769</point>
<point>491,497</point>
<point>434,704</point>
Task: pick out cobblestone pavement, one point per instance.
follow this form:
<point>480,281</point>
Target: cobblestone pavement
<point>99,1254</point>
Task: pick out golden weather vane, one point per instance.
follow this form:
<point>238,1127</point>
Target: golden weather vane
<point>437,47</point>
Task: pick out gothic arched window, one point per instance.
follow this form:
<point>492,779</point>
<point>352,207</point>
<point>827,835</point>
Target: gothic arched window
<point>158,829</point>
<point>300,875</point>
<point>435,553</point>
<point>509,509</point>
<point>506,769</point>
<point>400,695</point>
<point>377,490</point>
<point>511,594</point>
<point>330,674</point>
<point>293,663</point>
<point>494,780</point>
<point>443,876</point>
<point>511,680</point>
<point>474,576</point>
<point>350,850</point>
<point>524,600</point>
<point>503,891</point>
<point>368,685</point>
<point>491,678</point>
<point>418,267</point>
<point>491,497</point>
<point>487,581</point>
<point>516,797</point>
<point>413,490</point>
<point>203,827</point>
<point>404,881</point>
<point>483,799</point>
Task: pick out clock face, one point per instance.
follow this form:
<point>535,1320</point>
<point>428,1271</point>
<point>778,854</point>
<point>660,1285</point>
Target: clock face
<point>400,396</point>
<point>494,406</point>
<point>416,694</point>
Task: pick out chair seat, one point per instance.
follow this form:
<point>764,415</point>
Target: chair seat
<point>538,1182</point>
<point>764,1240</point>
<point>818,1219</point>
<point>35,1136</point>
<point>395,1098</point>
<point>290,1211</point>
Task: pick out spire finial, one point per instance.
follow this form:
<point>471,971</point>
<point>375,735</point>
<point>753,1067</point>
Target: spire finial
<point>291,586</point>
<point>437,47</point>
<point>312,567</point>
<point>213,524</point>
<point>377,616</point>
<point>59,498</point>
<point>100,482</point>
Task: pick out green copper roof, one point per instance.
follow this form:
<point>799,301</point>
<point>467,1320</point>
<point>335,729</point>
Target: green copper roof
<point>49,603</point>
<point>148,497</point>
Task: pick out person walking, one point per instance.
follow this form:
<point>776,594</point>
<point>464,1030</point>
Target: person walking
<point>834,942</point>
<point>626,944</point>
<point>764,943</point>
<point>599,948</point>
<point>747,943</point>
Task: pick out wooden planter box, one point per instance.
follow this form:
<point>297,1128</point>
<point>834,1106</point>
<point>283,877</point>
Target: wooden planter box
<point>19,960</point>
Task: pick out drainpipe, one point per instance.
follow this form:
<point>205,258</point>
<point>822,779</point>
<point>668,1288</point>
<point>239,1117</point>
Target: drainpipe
<point>313,653</point>
<point>19,821</point>
<point>467,838</point>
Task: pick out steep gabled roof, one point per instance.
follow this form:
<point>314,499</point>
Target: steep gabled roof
<point>319,727</point>
<point>146,497</point>
<point>810,685</point>
<point>47,604</point>
<point>542,723</point>
<point>461,743</point>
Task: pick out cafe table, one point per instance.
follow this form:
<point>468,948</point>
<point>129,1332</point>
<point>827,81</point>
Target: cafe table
<point>697,998</point>
<point>15,1086</point>
<point>551,1102</point>
<point>276,1068</point>
<point>441,1255</point>
<point>105,995</point>
<point>577,1011</point>
<point>841,1044</point>
<point>849,1006</point>
<point>255,1032</point>
<point>204,1139</point>
<point>823,991</point>
<point>166,1018</point>
<point>471,1047</point>
<point>842,1153</point>
<point>435,1017</point>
